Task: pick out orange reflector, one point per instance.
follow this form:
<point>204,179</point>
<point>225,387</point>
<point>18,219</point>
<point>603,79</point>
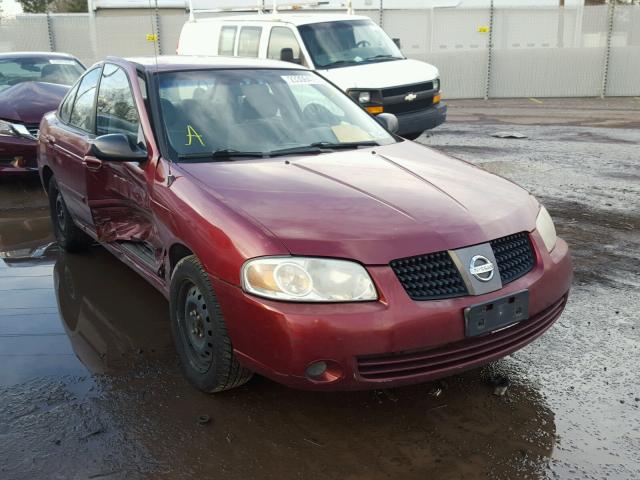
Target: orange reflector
<point>375,109</point>
<point>436,98</point>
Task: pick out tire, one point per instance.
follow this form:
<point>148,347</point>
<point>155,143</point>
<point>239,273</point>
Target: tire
<point>199,331</point>
<point>67,234</point>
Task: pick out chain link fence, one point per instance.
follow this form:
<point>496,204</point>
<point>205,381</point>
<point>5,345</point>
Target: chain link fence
<point>480,52</point>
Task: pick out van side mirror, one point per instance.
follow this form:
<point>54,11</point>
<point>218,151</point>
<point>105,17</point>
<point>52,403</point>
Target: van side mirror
<point>388,121</point>
<point>116,147</point>
<point>286,55</point>
<point>397,42</point>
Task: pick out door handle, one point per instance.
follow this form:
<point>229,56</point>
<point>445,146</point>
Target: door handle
<point>92,164</point>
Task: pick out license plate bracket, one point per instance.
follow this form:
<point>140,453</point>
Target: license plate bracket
<point>499,313</point>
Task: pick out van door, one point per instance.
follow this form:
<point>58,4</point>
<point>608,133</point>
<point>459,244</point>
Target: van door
<point>283,45</point>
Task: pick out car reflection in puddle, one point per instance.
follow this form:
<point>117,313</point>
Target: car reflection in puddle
<point>109,313</point>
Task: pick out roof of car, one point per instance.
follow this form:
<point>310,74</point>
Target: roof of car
<point>36,55</point>
<point>292,18</point>
<point>186,62</point>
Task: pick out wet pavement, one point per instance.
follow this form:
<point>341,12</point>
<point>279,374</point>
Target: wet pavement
<point>90,387</point>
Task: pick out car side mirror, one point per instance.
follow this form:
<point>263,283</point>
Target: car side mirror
<point>286,55</point>
<point>397,42</point>
<point>388,121</point>
<point>116,147</point>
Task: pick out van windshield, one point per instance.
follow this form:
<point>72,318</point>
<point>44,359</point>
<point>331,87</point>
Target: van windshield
<point>345,43</point>
<point>260,112</point>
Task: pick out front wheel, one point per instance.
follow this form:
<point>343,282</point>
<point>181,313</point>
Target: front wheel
<point>199,331</point>
<point>67,234</point>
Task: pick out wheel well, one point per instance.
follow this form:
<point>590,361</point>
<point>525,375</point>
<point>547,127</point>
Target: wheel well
<point>46,178</point>
<point>176,253</point>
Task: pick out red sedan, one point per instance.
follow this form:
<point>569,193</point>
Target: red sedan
<point>31,84</point>
<point>293,234</point>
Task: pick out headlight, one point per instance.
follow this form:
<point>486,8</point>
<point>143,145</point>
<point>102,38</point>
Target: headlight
<point>6,128</point>
<point>364,97</point>
<point>436,84</point>
<point>361,96</point>
<point>305,279</point>
<point>546,229</point>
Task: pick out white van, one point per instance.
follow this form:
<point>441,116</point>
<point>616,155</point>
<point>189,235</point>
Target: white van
<point>349,50</point>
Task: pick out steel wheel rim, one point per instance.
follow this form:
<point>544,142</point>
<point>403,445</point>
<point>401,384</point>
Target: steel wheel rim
<point>60,216</point>
<point>194,324</point>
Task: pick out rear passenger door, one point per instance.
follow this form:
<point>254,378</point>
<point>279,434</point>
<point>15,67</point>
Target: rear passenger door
<point>71,140</point>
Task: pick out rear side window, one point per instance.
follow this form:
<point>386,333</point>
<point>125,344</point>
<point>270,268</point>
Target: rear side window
<point>249,41</point>
<point>116,108</point>
<point>82,115</point>
<point>65,108</point>
<point>227,40</point>
<point>283,45</point>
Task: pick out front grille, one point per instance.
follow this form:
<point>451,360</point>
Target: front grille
<point>434,276</point>
<point>514,256</point>
<point>429,277</point>
<point>404,89</point>
<point>467,353</point>
<point>407,107</point>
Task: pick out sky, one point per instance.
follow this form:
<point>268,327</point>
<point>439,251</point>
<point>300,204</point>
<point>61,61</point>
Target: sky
<point>10,7</point>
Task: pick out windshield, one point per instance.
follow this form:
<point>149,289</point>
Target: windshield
<point>260,112</point>
<point>62,71</point>
<point>344,43</point>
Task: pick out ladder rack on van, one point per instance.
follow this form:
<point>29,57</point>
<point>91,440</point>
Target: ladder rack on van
<point>252,6</point>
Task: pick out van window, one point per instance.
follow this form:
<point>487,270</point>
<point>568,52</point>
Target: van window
<point>249,41</point>
<point>283,45</point>
<point>227,40</point>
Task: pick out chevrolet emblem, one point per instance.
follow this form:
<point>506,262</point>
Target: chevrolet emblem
<point>410,97</point>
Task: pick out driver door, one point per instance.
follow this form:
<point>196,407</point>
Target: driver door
<point>118,192</point>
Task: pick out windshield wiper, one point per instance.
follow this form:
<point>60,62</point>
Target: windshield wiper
<point>338,62</point>
<point>382,57</point>
<point>222,153</point>
<point>321,147</point>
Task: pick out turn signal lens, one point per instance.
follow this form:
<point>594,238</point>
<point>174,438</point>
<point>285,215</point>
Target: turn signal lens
<point>436,98</point>
<point>546,229</point>
<point>374,110</point>
<point>303,279</point>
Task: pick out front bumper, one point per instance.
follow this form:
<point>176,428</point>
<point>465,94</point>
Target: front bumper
<point>280,340</point>
<point>418,122</point>
<point>17,156</point>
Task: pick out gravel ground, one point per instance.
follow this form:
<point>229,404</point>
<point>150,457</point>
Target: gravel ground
<point>89,386</point>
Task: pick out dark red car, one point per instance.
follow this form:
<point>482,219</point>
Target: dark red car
<point>293,234</point>
<point>31,84</point>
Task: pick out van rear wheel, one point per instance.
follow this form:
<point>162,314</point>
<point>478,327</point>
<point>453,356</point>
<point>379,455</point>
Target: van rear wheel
<point>67,234</point>
<point>200,333</point>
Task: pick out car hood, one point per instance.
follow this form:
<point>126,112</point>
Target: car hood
<point>27,102</point>
<point>401,200</point>
<point>381,74</point>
